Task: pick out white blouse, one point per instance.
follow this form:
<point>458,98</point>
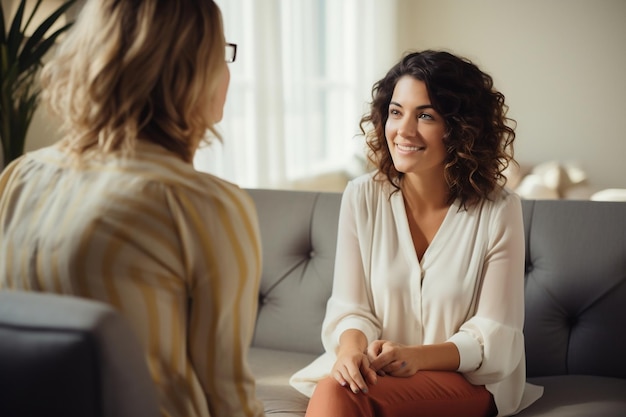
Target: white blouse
<point>467,289</point>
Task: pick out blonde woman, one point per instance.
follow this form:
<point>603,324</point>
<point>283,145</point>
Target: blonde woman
<point>116,212</point>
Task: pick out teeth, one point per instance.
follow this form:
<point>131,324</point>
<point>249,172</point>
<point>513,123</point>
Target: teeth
<point>408,148</point>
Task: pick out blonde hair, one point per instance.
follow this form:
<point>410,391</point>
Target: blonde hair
<point>141,69</point>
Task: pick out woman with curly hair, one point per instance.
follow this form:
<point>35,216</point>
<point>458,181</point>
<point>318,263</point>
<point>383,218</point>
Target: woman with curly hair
<point>427,307</point>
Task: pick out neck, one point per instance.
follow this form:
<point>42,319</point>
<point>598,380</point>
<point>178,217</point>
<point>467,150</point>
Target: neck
<point>425,193</point>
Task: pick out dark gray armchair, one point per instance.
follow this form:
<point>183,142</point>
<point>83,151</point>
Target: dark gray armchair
<point>70,357</point>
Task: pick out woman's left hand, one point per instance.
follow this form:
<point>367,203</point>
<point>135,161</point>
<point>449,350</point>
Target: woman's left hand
<point>389,358</point>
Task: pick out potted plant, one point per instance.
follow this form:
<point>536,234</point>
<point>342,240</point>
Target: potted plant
<point>20,60</point>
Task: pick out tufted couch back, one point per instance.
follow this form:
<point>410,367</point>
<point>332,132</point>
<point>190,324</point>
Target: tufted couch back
<point>299,231</point>
<point>575,279</point>
<point>575,287</point>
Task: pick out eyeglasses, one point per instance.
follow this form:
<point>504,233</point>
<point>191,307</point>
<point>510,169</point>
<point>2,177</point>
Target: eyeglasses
<point>231,52</point>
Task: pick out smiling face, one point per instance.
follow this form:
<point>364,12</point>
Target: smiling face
<point>414,130</point>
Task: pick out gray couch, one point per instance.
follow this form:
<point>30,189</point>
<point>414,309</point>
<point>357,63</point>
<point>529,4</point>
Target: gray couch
<point>575,300</point>
<point>73,357</point>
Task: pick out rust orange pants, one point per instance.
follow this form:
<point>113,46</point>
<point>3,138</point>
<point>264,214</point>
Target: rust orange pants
<point>427,393</point>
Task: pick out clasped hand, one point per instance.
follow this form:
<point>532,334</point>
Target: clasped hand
<point>357,369</point>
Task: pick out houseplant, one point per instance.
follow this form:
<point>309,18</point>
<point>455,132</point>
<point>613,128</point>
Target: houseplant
<point>20,60</point>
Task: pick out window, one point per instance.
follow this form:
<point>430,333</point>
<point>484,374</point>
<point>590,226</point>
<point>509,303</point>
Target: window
<point>301,82</point>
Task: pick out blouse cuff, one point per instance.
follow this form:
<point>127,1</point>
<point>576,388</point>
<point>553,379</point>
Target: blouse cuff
<point>470,352</point>
<point>357,324</point>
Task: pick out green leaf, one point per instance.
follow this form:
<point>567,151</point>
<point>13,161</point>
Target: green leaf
<point>3,37</point>
<point>9,73</point>
<point>4,61</point>
<point>32,14</point>
<point>40,32</point>
<point>34,57</point>
<point>16,36</point>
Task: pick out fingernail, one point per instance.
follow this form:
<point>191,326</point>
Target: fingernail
<point>356,391</point>
<point>403,364</point>
<point>364,390</point>
<point>343,384</point>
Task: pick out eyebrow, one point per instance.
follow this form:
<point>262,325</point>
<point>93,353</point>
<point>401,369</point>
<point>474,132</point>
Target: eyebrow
<point>422,107</point>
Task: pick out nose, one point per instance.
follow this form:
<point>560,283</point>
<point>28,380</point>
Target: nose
<point>407,127</point>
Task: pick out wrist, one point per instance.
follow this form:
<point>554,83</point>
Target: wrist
<point>352,340</point>
<point>438,357</point>
<point>418,354</point>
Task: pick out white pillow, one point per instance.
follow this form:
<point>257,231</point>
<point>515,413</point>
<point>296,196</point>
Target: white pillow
<point>610,194</point>
<point>533,187</point>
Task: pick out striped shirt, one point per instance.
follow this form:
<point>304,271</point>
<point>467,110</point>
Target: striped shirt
<point>175,250</point>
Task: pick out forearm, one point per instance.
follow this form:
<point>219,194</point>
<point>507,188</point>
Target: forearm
<point>352,339</point>
<point>437,357</point>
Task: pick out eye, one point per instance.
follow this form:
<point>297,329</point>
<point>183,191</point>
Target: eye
<point>425,116</point>
<point>394,112</point>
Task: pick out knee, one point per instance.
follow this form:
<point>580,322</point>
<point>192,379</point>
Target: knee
<point>329,388</point>
<point>332,399</point>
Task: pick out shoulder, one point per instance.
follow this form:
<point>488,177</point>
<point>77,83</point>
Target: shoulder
<point>154,168</point>
<point>42,155</point>
<point>506,200</point>
<point>368,187</point>
<point>226,193</point>
<point>214,210</point>
<point>500,200</point>
<point>31,166</point>
<point>212,194</point>
<point>163,167</point>
<point>502,211</point>
<point>368,200</point>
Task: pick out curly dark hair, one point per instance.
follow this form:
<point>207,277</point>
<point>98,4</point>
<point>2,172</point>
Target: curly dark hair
<point>478,137</point>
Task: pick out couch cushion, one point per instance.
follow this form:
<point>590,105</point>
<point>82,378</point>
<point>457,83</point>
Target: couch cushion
<point>579,396</point>
<point>272,370</point>
<point>564,395</point>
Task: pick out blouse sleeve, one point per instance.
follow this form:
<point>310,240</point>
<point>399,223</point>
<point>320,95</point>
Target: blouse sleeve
<point>491,343</point>
<point>222,252</point>
<point>350,304</point>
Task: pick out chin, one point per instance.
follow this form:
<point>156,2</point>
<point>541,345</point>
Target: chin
<point>400,167</point>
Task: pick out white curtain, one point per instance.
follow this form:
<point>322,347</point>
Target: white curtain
<point>301,82</point>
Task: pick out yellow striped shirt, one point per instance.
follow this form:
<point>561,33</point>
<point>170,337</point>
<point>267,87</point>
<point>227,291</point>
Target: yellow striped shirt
<point>175,250</point>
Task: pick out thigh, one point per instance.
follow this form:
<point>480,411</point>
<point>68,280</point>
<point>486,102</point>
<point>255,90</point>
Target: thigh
<point>427,393</point>
<point>432,394</point>
<point>333,400</point>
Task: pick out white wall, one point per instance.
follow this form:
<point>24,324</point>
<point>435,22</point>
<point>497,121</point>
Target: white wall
<point>560,63</point>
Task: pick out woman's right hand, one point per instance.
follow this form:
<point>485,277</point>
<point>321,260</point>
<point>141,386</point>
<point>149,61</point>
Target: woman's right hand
<point>352,369</point>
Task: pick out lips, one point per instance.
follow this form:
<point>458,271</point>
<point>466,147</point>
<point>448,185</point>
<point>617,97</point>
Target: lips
<point>409,148</point>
